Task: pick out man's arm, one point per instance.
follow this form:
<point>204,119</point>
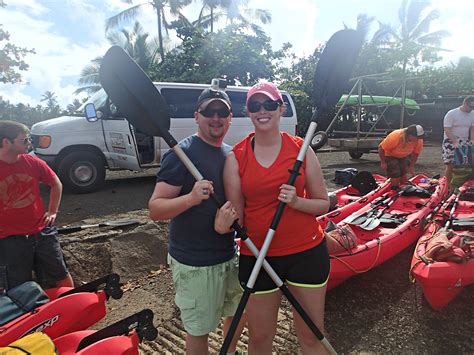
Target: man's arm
<point>413,159</point>
<point>471,134</point>
<point>451,136</point>
<point>54,200</point>
<point>383,163</point>
<point>165,202</point>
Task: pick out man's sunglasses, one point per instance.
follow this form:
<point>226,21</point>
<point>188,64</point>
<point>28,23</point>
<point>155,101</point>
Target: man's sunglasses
<point>268,105</point>
<point>210,112</point>
<point>26,140</point>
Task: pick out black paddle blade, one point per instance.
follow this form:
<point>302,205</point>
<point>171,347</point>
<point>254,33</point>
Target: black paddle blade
<point>333,71</point>
<point>134,93</point>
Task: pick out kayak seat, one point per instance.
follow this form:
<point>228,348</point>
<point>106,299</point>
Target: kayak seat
<point>364,182</point>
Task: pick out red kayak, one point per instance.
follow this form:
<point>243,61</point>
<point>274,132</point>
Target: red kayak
<point>373,234</point>
<point>122,337</point>
<point>349,199</point>
<point>68,311</point>
<point>443,261</point>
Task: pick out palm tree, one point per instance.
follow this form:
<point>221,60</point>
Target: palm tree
<point>135,42</point>
<point>412,39</point>
<point>159,6</point>
<point>235,11</point>
<point>51,102</point>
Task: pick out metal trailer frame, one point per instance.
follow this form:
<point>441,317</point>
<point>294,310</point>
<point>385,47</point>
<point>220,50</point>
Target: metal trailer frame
<point>365,141</point>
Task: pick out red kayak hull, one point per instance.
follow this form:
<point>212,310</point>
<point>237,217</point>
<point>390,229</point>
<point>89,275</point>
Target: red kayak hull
<point>116,345</point>
<point>57,317</point>
<point>442,281</point>
<point>379,245</point>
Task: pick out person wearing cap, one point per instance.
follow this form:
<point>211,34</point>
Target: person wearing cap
<point>203,262</point>
<point>255,181</point>
<point>399,151</point>
<point>458,127</point>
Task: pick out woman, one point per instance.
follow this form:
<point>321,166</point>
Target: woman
<point>255,176</point>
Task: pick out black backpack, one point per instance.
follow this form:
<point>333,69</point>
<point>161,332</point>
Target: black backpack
<point>364,182</point>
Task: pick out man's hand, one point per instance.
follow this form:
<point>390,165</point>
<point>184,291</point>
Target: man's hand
<point>383,164</point>
<point>49,218</point>
<point>202,190</point>
<point>456,144</point>
<point>225,217</point>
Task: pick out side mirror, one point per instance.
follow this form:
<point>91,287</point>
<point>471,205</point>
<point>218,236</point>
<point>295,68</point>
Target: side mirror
<point>90,112</point>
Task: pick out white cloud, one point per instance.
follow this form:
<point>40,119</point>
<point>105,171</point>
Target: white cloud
<point>31,6</point>
<point>58,61</point>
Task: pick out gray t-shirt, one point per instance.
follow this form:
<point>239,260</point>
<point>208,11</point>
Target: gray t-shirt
<point>193,240</point>
<point>460,123</point>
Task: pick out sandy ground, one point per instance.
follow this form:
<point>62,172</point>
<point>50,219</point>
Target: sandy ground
<point>378,312</point>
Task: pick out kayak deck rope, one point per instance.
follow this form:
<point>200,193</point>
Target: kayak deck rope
<point>345,263</point>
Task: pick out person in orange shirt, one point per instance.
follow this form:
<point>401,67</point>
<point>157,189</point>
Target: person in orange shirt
<point>399,151</point>
<point>255,176</point>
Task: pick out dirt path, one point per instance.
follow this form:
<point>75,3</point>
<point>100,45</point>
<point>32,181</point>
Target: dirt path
<point>378,311</point>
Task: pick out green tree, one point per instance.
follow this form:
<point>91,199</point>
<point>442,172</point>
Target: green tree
<point>11,58</point>
<point>412,42</point>
<point>51,102</point>
<point>235,11</point>
<point>135,42</point>
<point>227,53</point>
<point>159,7</point>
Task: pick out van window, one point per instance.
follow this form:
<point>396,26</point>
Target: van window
<point>182,102</point>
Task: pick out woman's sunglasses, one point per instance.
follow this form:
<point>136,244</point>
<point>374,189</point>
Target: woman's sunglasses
<point>210,112</point>
<point>268,105</point>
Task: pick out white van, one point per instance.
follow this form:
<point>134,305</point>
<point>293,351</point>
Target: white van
<point>81,151</point>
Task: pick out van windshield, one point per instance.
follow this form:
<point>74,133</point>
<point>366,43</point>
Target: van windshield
<point>98,99</point>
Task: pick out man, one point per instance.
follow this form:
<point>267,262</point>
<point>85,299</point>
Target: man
<point>458,126</point>
<point>28,240</point>
<point>203,262</point>
<point>399,151</point>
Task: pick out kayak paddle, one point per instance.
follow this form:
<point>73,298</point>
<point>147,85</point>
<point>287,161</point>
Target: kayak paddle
<point>116,223</point>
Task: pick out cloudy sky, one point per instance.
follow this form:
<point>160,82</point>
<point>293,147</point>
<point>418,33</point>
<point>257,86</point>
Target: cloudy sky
<point>68,34</point>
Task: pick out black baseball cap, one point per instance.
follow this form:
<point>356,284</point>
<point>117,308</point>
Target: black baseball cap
<point>209,95</point>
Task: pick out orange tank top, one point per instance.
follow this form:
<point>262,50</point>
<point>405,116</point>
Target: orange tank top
<point>297,231</point>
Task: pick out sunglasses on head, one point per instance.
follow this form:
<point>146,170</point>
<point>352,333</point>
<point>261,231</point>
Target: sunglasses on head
<point>223,112</point>
<point>268,105</point>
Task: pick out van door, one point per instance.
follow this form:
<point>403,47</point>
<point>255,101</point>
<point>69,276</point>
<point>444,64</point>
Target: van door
<point>120,143</point>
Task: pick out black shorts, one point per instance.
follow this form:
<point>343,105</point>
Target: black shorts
<point>309,268</point>
<point>40,252</point>
<point>396,167</point>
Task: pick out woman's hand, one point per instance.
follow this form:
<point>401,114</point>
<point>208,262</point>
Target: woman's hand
<point>288,195</point>
<point>225,217</point>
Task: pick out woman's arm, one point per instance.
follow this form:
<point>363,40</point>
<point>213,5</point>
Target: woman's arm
<point>317,201</point>
<point>232,186</point>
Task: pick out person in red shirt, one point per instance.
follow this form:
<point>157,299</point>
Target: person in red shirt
<point>28,240</point>
<point>255,176</point>
<point>399,152</point>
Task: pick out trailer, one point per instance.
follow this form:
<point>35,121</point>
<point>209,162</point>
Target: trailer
<point>360,121</point>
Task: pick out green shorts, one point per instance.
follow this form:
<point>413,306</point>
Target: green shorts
<point>205,294</point>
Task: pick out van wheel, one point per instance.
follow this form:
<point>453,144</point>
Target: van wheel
<point>82,172</point>
<point>355,154</point>
<point>319,139</point>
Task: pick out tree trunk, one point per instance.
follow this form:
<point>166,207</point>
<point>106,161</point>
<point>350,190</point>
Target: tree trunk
<point>160,34</point>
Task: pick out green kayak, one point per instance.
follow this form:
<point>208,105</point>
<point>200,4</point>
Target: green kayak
<point>382,100</point>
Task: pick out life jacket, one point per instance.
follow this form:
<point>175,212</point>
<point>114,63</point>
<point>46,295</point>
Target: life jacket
<point>35,343</point>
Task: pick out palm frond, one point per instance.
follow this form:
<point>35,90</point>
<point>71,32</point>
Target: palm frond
<point>123,17</point>
<point>424,25</point>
